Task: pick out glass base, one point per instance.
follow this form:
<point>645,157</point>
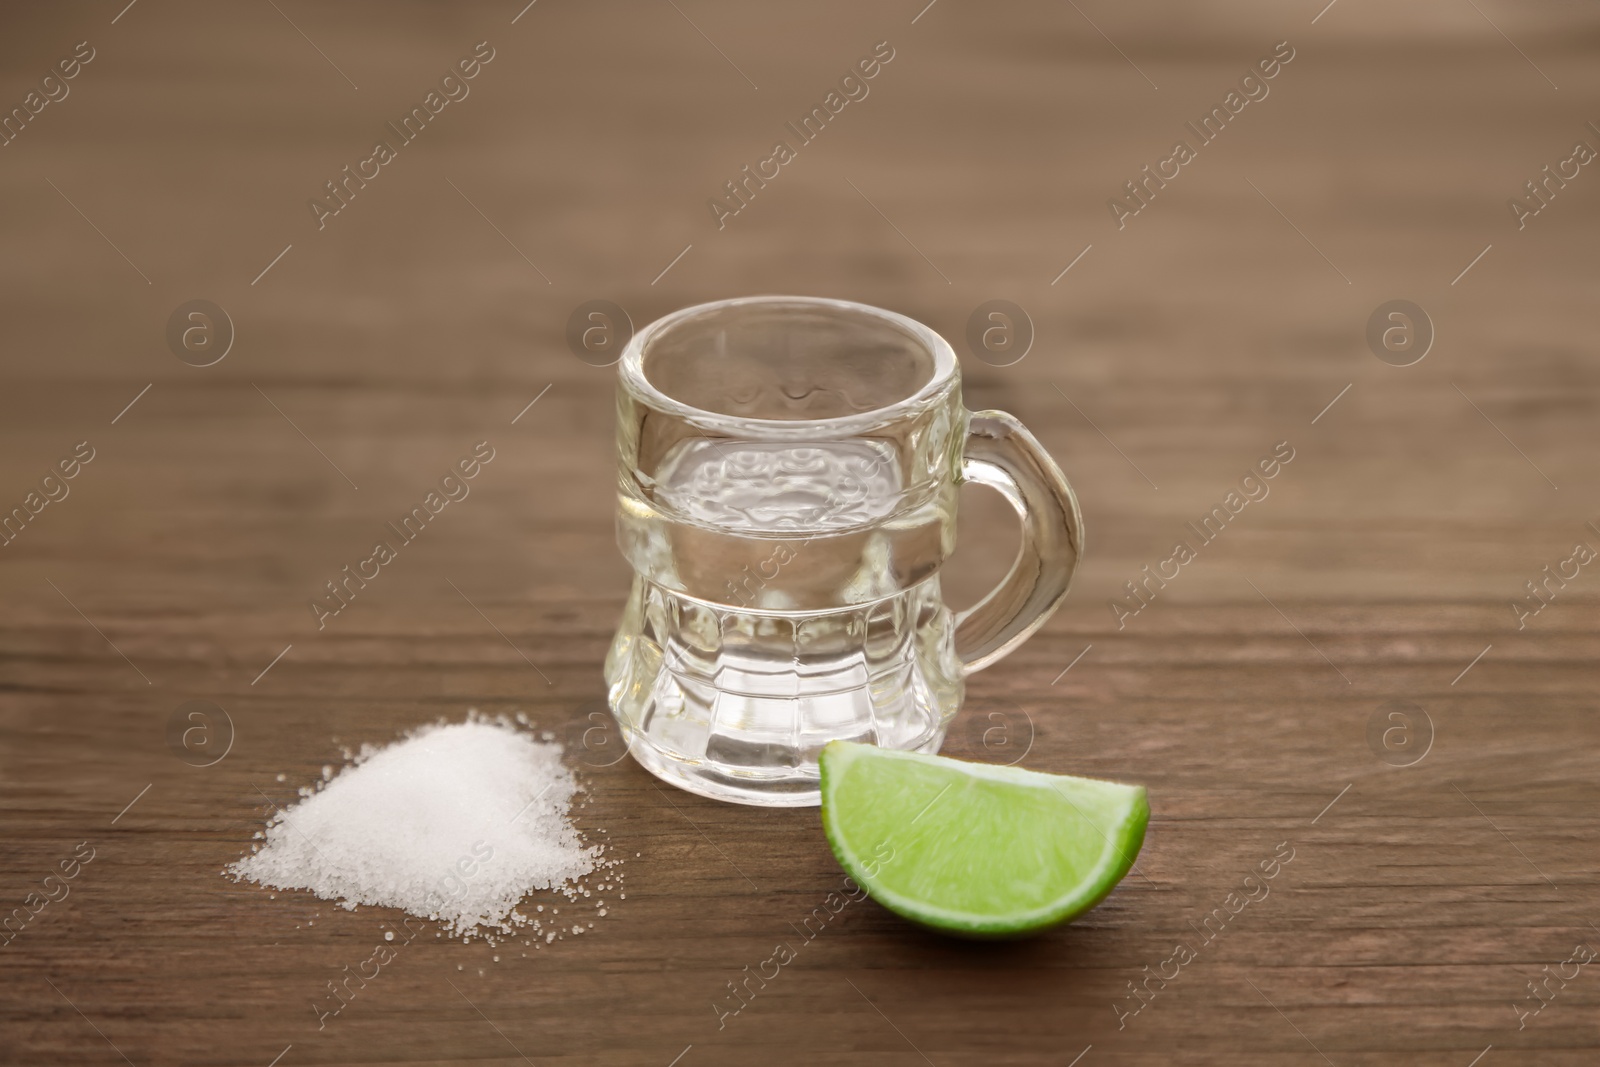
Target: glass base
<point>737,704</point>
<point>801,788</point>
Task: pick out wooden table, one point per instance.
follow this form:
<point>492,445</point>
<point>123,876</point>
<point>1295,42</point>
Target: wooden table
<point>1228,315</point>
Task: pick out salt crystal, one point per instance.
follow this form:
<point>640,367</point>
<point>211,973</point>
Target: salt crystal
<point>456,823</point>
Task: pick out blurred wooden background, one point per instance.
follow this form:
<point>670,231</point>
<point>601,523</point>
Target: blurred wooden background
<point>1224,318</point>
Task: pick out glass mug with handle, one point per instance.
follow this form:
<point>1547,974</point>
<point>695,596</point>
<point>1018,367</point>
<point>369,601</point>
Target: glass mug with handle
<point>788,469</point>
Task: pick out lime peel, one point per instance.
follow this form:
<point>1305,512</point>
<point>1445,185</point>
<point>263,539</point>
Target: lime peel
<point>973,848</point>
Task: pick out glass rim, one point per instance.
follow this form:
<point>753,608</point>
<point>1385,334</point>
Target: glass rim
<point>945,370</point>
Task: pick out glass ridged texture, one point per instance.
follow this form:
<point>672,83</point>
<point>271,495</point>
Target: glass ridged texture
<point>787,481</point>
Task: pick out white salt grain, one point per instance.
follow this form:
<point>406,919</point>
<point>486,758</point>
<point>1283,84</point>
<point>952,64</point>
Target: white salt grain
<point>456,823</point>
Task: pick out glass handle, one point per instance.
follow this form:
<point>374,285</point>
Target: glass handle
<point>1003,455</point>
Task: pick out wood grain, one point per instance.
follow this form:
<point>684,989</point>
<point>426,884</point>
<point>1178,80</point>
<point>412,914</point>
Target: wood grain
<point>1220,321</point>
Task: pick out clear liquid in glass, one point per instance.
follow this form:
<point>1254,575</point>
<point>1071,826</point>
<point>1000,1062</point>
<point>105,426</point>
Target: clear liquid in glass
<point>785,595</point>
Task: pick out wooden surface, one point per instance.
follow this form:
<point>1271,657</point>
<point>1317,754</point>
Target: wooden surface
<point>1226,315</point>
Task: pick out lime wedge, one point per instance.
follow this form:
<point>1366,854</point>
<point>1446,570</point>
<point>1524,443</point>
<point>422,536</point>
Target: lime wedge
<point>974,848</point>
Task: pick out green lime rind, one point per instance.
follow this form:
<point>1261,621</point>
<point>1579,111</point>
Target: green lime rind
<point>973,848</point>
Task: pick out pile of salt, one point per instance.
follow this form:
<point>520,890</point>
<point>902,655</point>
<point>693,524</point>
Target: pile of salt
<point>455,823</point>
